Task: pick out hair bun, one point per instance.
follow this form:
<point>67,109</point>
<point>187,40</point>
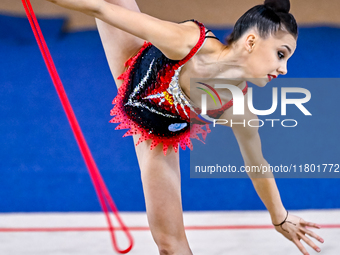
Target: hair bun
<point>278,5</point>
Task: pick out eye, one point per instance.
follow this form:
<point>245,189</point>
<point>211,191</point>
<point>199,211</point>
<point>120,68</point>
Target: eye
<point>280,54</point>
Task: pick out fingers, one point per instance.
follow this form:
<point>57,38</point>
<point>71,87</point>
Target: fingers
<point>309,224</point>
<point>308,241</point>
<point>300,246</point>
<point>312,234</point>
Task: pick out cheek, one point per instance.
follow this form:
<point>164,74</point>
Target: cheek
<point>259,65</point>
<point>263,63</point>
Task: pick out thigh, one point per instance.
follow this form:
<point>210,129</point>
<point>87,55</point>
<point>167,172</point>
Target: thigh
<point>162,190</point>
<point>118,45</point>
<point>160,174</point>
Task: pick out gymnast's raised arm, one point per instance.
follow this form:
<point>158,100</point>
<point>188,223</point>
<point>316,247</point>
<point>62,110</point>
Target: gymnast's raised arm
<point>174,40</point>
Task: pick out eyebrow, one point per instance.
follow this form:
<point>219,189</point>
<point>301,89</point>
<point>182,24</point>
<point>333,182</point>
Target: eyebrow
<point>290,51</point>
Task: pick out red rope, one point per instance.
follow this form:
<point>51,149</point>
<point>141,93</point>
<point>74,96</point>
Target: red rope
<point>103,194</point>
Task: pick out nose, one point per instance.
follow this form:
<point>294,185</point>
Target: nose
<point>283,68</point>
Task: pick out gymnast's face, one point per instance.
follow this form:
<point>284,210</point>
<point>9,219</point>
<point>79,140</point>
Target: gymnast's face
<point>268,57</point>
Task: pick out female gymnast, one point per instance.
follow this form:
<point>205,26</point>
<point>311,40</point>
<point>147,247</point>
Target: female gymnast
<point>160,57</point>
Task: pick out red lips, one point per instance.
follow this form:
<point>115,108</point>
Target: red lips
<point>270,77</point>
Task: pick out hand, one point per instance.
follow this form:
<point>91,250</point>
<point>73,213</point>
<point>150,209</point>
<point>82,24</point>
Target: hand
<point>294,229</point>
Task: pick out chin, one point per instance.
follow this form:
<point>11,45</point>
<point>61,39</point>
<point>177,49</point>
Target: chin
<point>260,82</point>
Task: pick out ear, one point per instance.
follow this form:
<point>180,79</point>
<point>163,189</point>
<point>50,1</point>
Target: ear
<point>250,42</point>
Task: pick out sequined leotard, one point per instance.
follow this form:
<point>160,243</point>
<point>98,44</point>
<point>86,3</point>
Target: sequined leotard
<point>150,101</point>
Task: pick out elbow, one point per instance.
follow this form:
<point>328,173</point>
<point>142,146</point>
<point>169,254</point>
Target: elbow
<point>95,10</point>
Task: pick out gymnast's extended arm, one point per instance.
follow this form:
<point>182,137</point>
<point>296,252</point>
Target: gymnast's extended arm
<point>249,142</point>
<point>294,228</point>
<point>174,40</point>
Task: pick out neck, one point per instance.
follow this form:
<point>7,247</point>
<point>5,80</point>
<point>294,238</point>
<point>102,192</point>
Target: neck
<point>230,63</point>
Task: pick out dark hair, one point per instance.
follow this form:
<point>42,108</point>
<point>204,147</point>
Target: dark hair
<point>267,18</point>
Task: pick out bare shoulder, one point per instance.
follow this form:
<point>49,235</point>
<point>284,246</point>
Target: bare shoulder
<point>178,40</point>
<point>190,32</point>
<point>210,46</point>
